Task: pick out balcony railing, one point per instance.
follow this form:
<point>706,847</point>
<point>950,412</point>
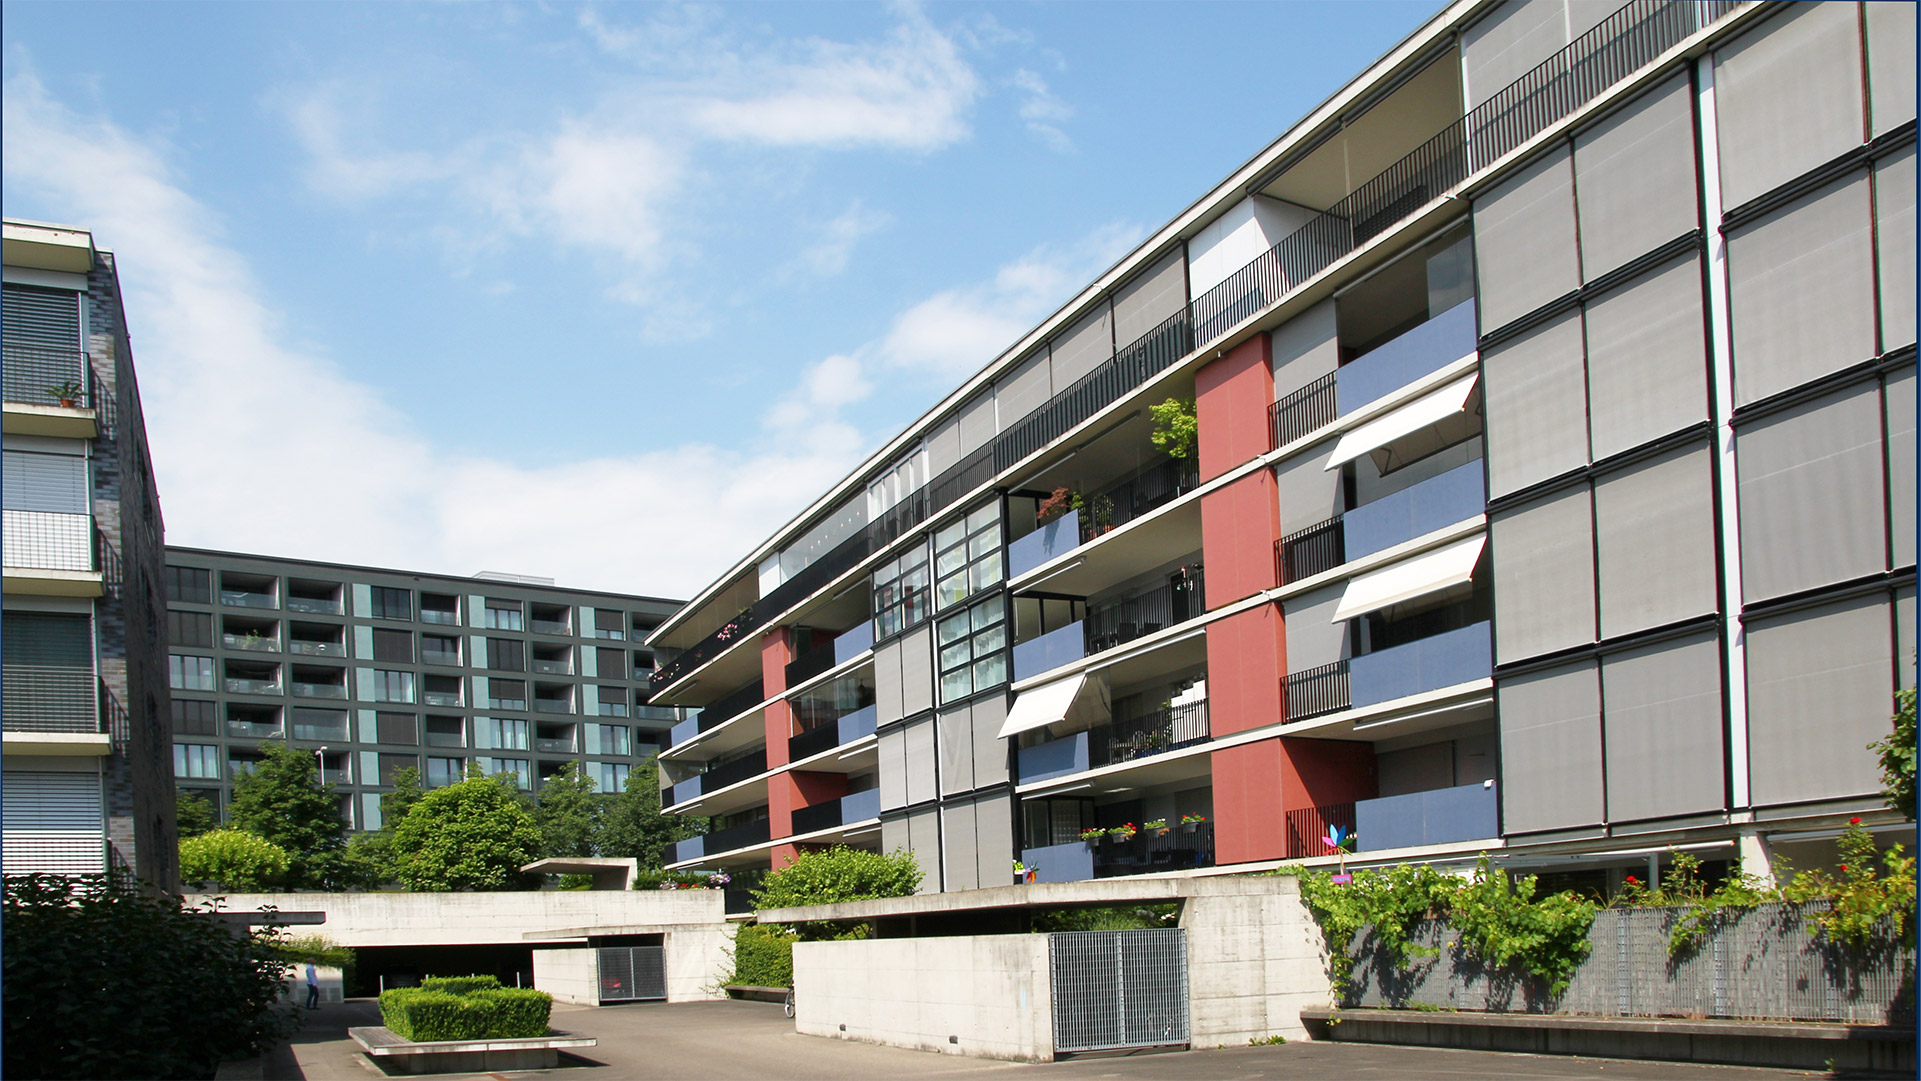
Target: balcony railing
<point>825,656</point>
<point>314,733</point>
<point>317,690</point>
<point>853,642</point>
<point>553,705</point>
<point>836,733</point>
<point>855,807</point>
<point>545,626</point>
<point>1304,410</point>
<point>1122,741</point>
<point>1054,537</point>
<point>1172,848</point>
<point>240,598</point>
<point>1311,551</point>
<point>43,698</point>
<point>440,698</point>
<point>1063,645</point>
<point>1440,816</point>
<point>30,371</point>
<point>458,739</point>
<point>254,686</point>
<point>48,540</point>
<point>316,649</point>
<point>251,642</point>
<point>557,668</point>
<point>1151,488</point>
<point>744,835</point>
<point>1307,829</point>
<point>253,729</point>
<point>442,616</point>
<point>446,658</point>
<point>705,650</point>
<point>319,606</point>
<point>1421,351</point>
<point>1425,664</point>
<point>733,772</point>
<point>1453,496</point>
<point>727,707</point>
<point>1314,692</point>
<point>1145,613</point>
<point>554,746</point>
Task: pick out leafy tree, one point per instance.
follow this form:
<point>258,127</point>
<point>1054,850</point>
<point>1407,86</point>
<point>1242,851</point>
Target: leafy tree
<point>283,801</point>
<point>633,826</point>
<point>1175,428</point>
<point>370,855</point>
<point>568,813</point>
<point>106,979</point>
<point>192,815</point>
<point>234,858</point>
<point>475,835</point>
<point>1897,756</point>
<point>407,792</point>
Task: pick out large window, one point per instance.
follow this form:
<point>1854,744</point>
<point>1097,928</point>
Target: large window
<point>609,776</point>
<point>192,717</point>
<point>504,615</point>
<point>191,585</point>
<point>507,694</point>
<point>395,646</point>
<point>392,686</point>
<point>506,655</point>
<point>195,760</point>
<point>612,701</point>
<point>189,629</point>
<point>610,623</point>
<point>186,673</point>
<point>967,555</point>
<point>901,592</point>
<point>398,728</point>
<point>515,768</point>
<point>439,649</point>
<point>442,772</point>
<point>608,739</point>
<point>973,649</point>
<point>503,733</point>
<point>392,603</point>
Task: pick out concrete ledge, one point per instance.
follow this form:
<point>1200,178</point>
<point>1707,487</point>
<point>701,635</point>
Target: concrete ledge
<point>1783,1044</point>
<point>463,1056</point>
<point>1095,891</point>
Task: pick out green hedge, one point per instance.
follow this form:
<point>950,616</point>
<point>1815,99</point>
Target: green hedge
<point>460,985</point>
<point>763,956</point>
<point>423,1014</point>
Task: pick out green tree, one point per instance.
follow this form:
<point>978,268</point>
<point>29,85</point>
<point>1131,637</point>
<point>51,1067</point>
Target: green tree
<point>236,859</point>
<point>1175,428</point>
<point>568,813</point>
<point>839,874</point>
<point>1897,756</point>
<point>370,854</point>
<point>283,801</point>
<point>475,835</point>
<point>633,826</point>
<point>104,978</point>
<point>192,815</point>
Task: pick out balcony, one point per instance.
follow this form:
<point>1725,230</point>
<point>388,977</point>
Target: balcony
<point>256,686</point>
<point>744,835</point>
<point>1107,744</point>
<point>849,809</point>
<point>1424,350</point>
<point>1307,552</point>
<point>733,772</point>
<point>1315,692</point>
<point>1175,848</point>
<point>1052,538</point>
<point>440,698</point>
<point>553,705</point>
<point>726,708</point>
<point>254,643</point>
<point>241,598</point>
<point>318,606</point>
<point>1453,496</point>
<point>547,626</point>
<point>556,668</point>
<point>317,690</point>
<point>1112,624</point>
<point>255,729</point>
<point>853,642</point>
<point>1425,664</point>
<point>555,746</point>
<point>1050,651</point>
<point>1302,411</point>
<point>32,375</point>
<point>335,775</point>
<point>48,541</point>
<point>315,733</point>
<point>442,616</point>
<point>837,733</point>
<point>1467,812</point>
<point>41,698</point>
<point>443,657</point>
<point>316,649</point>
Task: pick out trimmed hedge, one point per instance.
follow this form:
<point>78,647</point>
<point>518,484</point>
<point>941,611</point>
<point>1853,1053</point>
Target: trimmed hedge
<point>460,985</point>
<point>763,956</point>
<point>424,1014</point>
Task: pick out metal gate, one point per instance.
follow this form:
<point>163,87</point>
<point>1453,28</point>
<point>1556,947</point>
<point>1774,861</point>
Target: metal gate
<point>1117,989</point>
<point>632,973</point>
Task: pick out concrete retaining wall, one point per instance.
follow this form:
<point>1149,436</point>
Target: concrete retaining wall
<point>985,995</point>
<point>570,975</point>
<point>1254,961</point>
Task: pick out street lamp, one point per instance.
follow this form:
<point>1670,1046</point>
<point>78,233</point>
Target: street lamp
<point>320,759</point>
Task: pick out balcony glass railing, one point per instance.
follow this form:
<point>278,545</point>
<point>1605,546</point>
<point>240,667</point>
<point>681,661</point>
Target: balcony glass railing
<point>1453,496</point>
<point>1441,816</point>
<point>336,776</point>
<point>1175,848</point>
<point>1054,537</point>
<point>319,606</point>
<point>548,626</point>
<point>557,668</point>
<point>613,709</point>
<point>253,643</point>
<point>253,729</point>
<point>553,705</point>
<point>317,649</point>
<point>683,731</point>
<point>440,698</point>
<point>440,657</point>
<point>733,772</point>
<point>253,686</point>
<point>855,807</point>
<point>554,746</point>
<point>316,733</point>
<point>1051,650</point>
<point>239,598</point>
<point>457,739</point>
<point>744,835</point>
<point>319,690</point>
<point>836,733</point>
<point>442,616</point>
<point>853,642</point>
<point>1425,664</point>
<point>1426,349</point>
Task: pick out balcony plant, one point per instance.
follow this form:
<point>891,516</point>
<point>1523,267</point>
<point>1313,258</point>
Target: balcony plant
<point>67,393</point>
<point>1058,502</point>
<point>1175,428</point>
<point>1099,516</point>
<point>1158,825</point>
<point>1190,823</point>
<point>1123,832</point>
<point>1093,834</point>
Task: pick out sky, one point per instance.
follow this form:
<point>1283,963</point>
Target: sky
<point>607,292</point>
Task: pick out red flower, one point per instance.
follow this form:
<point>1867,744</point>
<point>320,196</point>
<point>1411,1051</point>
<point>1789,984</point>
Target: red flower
<point>1844,867</point>
<point>1854,821</point>
<point>1631,879</point>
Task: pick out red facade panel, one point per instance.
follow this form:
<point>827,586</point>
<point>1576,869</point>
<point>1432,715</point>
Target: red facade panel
<point>1231,400</point>
<point>1239,525</point>
<point>1247,802</point>
<point>1246,657</point>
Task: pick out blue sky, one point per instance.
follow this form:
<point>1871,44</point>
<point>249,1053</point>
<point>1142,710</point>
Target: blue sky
<point>607,292</point>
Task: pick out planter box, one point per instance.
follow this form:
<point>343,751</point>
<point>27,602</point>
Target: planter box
<point>462,1056</point>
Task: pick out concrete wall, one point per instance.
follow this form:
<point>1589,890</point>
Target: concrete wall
<point>571,975</point>
<point>986,995</point>
<point>1253,963</point>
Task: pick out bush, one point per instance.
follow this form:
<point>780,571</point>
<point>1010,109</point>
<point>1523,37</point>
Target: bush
<point>839,874</point>
<point>236,859</point>
<point>763,956</point>
<point>460,985</point>
<point>424,1014</point>
<point>106,979</point>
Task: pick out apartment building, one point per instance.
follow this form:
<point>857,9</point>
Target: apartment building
<point>1553,497</point>
<point>81,667</point>
<point>375,671</point>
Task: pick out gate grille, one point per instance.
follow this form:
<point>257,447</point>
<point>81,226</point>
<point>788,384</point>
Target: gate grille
<point>632,974</point>
<point>1117,989</point>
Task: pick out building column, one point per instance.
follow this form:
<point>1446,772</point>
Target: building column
<point>783,794</point>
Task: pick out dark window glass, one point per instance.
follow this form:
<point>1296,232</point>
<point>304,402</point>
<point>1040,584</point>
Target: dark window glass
<point>190,628</point>
<point>612,663</point>
<point>392,603</point>
<point>506,655</point>
<point>192,585</point>
<point>194,718</point>
<point>394,646</point>
<point>397,728</point>
<point>392,764</point>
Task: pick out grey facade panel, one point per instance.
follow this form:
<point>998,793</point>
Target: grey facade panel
<point>1654,541</point>
<point>1635,178</point>
<point>1313,639</point>
<point>1899,411</point>
<point>1819,684</point>
<point>1309,492</point>
<point>1647,359</point>
<point>1894,251</point>
<point>1508,42</point>
<point>1306,348</point>
<point>1551,749</point>
<point>1022,391</point>
<point>962,865</point>
<point>1153,297</point>
<point>1801,290</point>
<point>1811,494</point>
<point>1543,576</point>
<point>956,751</point>
<point>919,767</point>
<point>887,684</point>
<point>917,671</point>
<point>1536,405</point>
<point>944,446</point>
<point>977,425</point>
<point>1087,345</point>
<point>990,751</point>
<point>895,835</point>
<point>994,838</point>
<point>1664,729</point>
<point>891,768</point>
<point>1787,97</point>
<point>1890,65</point>
<point>1524,245</point>
<point>923,836</point>
<point>1904,642</point>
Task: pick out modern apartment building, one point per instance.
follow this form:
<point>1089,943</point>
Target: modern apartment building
<point>375,671</point>
<point>81,667</point>
<point>1554,495</point>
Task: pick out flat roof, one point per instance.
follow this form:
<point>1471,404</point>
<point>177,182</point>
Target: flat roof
<point>216,553</point>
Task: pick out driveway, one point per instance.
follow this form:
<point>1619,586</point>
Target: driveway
<point>754,1041</point>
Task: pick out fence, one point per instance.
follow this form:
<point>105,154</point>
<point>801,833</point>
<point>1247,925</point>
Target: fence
<point>1766,963</point>
<point>1115,989</point>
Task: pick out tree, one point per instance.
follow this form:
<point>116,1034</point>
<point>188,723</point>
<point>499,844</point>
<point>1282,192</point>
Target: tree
<point>839,874</point>
<point>1897,756</point>
<point>568,813</point>
<point>283,801</point>
<point>475,835</point>
<point>105,978</point>
<point>236,859</point>
<point>192,815</point>
<point>370,857</point>
<point>1175,428</point>
<point>633,825</point>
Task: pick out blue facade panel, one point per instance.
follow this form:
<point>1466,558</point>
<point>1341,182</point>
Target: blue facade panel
<point>1056,758</point>
<point>1424,350</point>
<point>1072,862</point>
<point>1428,664</point>
<point>1454,496</point>
<point>1049,651</point>
<point>1053,538</point>
<point>1441,816</point>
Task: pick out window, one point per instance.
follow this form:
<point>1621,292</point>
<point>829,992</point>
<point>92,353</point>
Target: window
<point>190,585</point>
<point>973,650</point>
<point>320,724</point>
<point>194,718</point>
<point>445,732</point>
<point>190,673</point>
<point>439,608</point>
<point>439,649</point>
<point>54,483</point>
<point>397,728</point>
<point>967,555</point>
<point>610,623</point>
<point>506,655</point>
<point>611,664</point>
<point>442,772</point>
<point>901,593</point>
<point>440,690</point>
<point>189,629</point>
<point>512,767</point>
<point>392,686</point>
<point>613,702</point>
<point>195,760</point>
<point>608,739</point>
<point>504,733</point>
<point>392,603</point>
<point>609,776</point>
<point>504,615</point>
<point>392,765</point>
<point>507,693</point>
<point>397,646</point>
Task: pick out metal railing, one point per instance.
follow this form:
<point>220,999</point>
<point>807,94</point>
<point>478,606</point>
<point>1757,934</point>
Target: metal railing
<point>1145,613</point>
<point>1307,829</point>
<point>1307,552</point>
<point>1313,692</point>
<point>1302,411</point>
<point>1155,486</point>
<point>741,836</point>
<point>733,772</point>
<point>1162,730</point>
<point>705,650</point>
<point>255,643</point>
<point>1142,359</point>
<point>727,707</point>
<point>44,698</point>
<point>49,540</point>
<point>29,372</point>
<point>316,649</point>
<point>1169,848</point>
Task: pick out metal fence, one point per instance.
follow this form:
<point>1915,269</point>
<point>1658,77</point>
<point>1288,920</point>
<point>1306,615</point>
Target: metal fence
<point>31,373</point>
<point>1115,989</point>
<point>1313,692</point>
<point>1302,411</point>
<point>633,973</point>
<point>44,698</point>
<point>1307,829</point>
<point>1308,552</point>
<point>1766,963</point>
<point>46,540</point>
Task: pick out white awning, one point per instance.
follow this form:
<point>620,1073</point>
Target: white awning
<point>1433,410</point>
<point>1076,697</point>
<point>1429,572</point>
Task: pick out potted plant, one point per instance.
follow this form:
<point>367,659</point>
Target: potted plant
<point>1123,832</point>
<point>1093,834</point>
<point>1190,823</point>
<point>1159,826</point>
<point>1155,741</point>
<point>1059,502</point>
<point>67,393</point>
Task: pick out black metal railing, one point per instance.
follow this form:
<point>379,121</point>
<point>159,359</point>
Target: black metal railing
<point>811,663</point>
<point>44,698</point>
<point>897,520</point>
<point>1302,411</point>
<point>31,372</point>
<point>704,650</point>
<point>114,719</point>
<point>1153,487</point>
<point>1144,613</point>
<point>1142,359</point>
<point>729,706</point>
<point>741,836</point>
<point>842,558</point>
<point>820,816</point>
<point>1162,730</point>
<point>961,478</point>
<point>1168,848</point>
<point>1311,551</point>
<point>1307,829</point>
<point>1313,692</point>
<point>733,772</point>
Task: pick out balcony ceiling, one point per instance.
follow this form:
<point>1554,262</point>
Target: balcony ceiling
<point>854,757</point>
<point>718,609</point>
<point>1135,777</point>
<point>1378,138</point>
<point>741,732</point>
<point>1137,547</point>
<point>723,675</point>
<point>1132,671</point>
<point>737,797</point>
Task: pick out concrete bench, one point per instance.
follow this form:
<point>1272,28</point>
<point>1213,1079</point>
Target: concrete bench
<point>463,1056</point>
<point>755,994</point>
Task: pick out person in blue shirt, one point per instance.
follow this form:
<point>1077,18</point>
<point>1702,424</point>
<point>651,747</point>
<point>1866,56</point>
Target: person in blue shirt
<point>313,987</point>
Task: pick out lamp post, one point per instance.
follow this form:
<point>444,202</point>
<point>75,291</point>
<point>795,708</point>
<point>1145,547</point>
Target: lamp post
<point>320,760</point>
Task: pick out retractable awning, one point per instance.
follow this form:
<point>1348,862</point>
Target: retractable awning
<point>1077,697</point>
<point>1418,428</point>
<point>1429,572</point>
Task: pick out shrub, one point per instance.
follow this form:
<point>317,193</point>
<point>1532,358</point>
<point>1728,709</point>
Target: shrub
<point>839,874</point>
<point>763,956</point>
<point>460,985</point>
<point>424,1014</point>
<point>236,859</point>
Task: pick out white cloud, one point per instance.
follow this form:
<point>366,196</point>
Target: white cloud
<point>829,254</point>
<point>1043,112</point>
<point>322,127</point>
